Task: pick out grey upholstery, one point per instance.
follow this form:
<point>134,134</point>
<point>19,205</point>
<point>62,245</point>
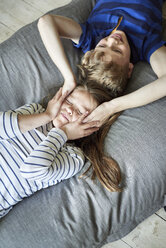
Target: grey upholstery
<point>77,212</point>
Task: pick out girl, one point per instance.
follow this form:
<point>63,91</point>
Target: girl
<point>34,147</point>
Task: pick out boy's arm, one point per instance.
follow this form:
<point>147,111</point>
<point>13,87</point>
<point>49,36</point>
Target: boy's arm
<point>140,97</point>
<point>150,92</point>
<point>51,28</point>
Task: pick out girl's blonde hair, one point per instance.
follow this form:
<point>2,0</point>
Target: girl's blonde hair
<point>109,74</point>
<point>105,168</point>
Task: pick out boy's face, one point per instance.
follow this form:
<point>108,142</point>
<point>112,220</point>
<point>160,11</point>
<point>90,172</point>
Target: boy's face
<point>115,47</point>
<point>76,104</point>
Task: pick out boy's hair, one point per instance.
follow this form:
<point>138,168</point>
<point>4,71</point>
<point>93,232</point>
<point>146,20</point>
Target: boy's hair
<point>103,167</point>
<point>109,74</point>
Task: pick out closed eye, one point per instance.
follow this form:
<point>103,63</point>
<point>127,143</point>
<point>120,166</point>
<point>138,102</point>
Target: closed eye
<point>117,51</point>
<point>78,112</point>
<point>68,102</point>
<point>101,46</point>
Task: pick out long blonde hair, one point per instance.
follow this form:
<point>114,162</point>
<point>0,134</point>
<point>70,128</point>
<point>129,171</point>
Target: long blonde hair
<point>105,168</point>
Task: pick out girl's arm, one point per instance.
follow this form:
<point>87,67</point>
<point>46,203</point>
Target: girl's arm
<point>51,28</point>
<point>51,160</point>
<point>32,121</point>
<point>9,119</point>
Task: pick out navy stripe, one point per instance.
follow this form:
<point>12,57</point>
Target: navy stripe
<point>52,144</point>
<point>55,139</point>
<point>34,164</point>
<point>142,6</point>
<point>60,136</point>
<point>7,190</point>
<point>67,159</point>
<point>24,109</point>
<point>59,168</point>
<point>4,124</point>
<point>10,179</point>
<point>38,135</point>
<point>18,145</point>
<point>19,167</point>
<point>33,137</point>
<point>145,25</point>
<point>4,199</point>
<point>12,168</point>
<point>69,166</point>
<point>64,165</point>
<point>27,141</point>
<point>46,153</point>
<point>34,110</point>
<point>11,123</point>
<point>43,158</point>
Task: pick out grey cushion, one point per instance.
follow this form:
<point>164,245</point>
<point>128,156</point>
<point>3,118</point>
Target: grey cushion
<point>77,212</point>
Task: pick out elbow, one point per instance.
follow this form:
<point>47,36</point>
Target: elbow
<point>44,21</point>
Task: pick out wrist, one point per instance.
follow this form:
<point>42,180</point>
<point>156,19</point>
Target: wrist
<point>48,117</point>
<point>114,106</point>
<point>64,130</point>
<point>69,77</point>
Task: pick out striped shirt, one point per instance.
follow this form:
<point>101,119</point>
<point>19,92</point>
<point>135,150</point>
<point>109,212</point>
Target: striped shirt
<point>34,160</point>
<point>141,22</point>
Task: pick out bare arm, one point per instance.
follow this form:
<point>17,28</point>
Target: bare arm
<point>51,28</point>
<point>32,121</point>
<point>150,92</point>
<point>140,97</point>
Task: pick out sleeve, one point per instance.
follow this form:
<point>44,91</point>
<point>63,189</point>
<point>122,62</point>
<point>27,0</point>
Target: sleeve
<point>51,160</point>
<point>151,46</point>
<point>9,121</point>
<point>86,42</point>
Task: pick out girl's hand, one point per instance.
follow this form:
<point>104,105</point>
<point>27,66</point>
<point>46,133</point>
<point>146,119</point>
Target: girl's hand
<point>102,113</point>
<point>68,86</point>
<point>78,129</point>
<point>54,104</point>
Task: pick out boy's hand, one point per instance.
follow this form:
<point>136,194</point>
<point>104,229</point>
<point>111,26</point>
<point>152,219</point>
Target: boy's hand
<point>68,86</point>
<point>78,129</point>
<point>54,104</point>
<point>102,113</point>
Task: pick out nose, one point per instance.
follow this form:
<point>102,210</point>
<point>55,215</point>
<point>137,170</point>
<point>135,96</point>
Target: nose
<point>111,41</point>
<point>69,110</point>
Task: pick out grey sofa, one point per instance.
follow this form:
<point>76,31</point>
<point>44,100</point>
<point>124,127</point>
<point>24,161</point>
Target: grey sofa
<point>77,212</point>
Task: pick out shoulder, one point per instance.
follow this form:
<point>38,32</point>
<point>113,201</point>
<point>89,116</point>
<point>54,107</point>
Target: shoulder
<point>158,61</point>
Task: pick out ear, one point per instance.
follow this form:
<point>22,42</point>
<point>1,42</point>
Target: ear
<point>131,66</point>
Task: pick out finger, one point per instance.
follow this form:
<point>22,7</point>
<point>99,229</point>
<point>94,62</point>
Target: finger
<point>90,131</point>
<point>80,120</point>
<point>91,124</point>
<point>58,94</point>
<point>89,118</point>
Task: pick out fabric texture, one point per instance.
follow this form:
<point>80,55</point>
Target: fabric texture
<point>142,23</point>
<point>77,212</point>
<point>32,160</point>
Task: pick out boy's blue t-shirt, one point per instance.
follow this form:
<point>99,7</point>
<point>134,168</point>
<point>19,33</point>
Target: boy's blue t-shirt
<point>142,23</point>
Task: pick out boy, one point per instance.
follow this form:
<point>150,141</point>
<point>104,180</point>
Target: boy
<point>120,35</point>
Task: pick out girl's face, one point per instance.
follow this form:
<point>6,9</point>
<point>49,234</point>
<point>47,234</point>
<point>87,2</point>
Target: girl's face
<point>76,104</point>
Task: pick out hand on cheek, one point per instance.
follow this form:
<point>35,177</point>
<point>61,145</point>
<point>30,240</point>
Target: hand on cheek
<point>77,129</point>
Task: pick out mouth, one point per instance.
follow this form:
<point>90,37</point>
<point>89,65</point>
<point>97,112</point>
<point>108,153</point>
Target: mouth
<point>64,116</point>
<point>117,36</point>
